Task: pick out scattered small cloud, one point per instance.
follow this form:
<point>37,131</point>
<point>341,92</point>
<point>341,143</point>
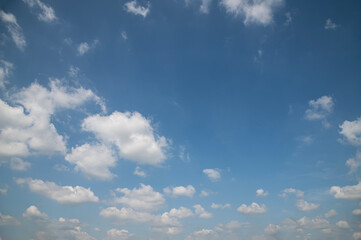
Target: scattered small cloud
<point>136,9</point>
<point>254,208</point>
<point>84,47</point>
<point>5,71</point>
<point>213,174</point>
<point>205,193</point>
<point>331,213</point>
<point>351,130</point>
<point>188,191</point>
<point>16,32</point>
<point>201,213</point>
<point>44,12</point>
<point>320,109</point>
<point>115,234</point>
<point>272,229</point>
<point>342,224</point>
<point>139,172</point>
<point>330,25</point>
<point>346,192</point>
<point>124,35</point>
<point>288,191</point>
<point>17,164</point>
<point>183,154</point>
<point>288,19</point>
<point>73,71</point>
<point>220,206</point>
<point>305,206</point>
<point>261,193</point>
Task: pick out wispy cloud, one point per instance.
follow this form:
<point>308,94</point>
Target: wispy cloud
<point>330,25</point>
<point>16,32</point>
<point>44,12</point>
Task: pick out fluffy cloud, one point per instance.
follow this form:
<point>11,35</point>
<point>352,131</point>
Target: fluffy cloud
<point>294,191</point>
<point>200,212</point>
<point>5,70</point>
<point>33,212</point>
<point>217,206</point>
<point>357,235</point>
<point>128,214</point>
<point>16,32</point>
<point>356,211</point>
<point>143,198</point>
<point>213,174</point>
<point>84,47</point>
<point>346,192</point>
<point>6,220</point>
<point>66,195</point>
<point>188,191</point>
<point>115,234</point>
<point>351,130</point>
<point>272,229</point>
<point>313,223</point>
<point>257,12</point>
<point>139,172</point>
<point>254,208</point>
<point>354,163</point>
<point>330,25</point>
<point>45,12</point>
<point>33,131</point>
<point>132,134</point>
<point>342,224</point>
<point>304,206</point>
<point>182,212</point>
<point>136,9</point>
<point>18,164</point>
<point>261,193</point>
<point>331,213</point>
<point>319,109</point>
<point>93,160</point>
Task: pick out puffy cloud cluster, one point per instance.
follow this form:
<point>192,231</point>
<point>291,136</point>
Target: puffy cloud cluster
<point>319,109</point>
<point>188,191</point>
<point>351,130</point>
<point>136,9</point>
<point>201,212</point>
<point>66,195</point>
<point>304,206</point>
<point>261,193</point>
<point>115,234</point>
<point>254,208</point>
<point>346,192</point>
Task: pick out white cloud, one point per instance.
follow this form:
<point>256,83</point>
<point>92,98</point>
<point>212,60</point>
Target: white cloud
<point>330,25</point>
<point>342,224</point>
<point>254,208</point>
<point>331,213</point>
<point>346,192</point>
<point>84,47</point>
<point>319,109</point>
<point>272,229</point>
<point>261,193</point>
<point>115,234</point>
<point>205,5</point>
<point>143,198</point>
<point>221,206</point>
<point>188,191</point>
<point>213,174</point>
<point>33,131</point>
<point>313,223</point>
<point>33,212</point>
<point>5,70</point>
<point>182,212</point>
<point>357,235</point>
<point>235,224</point>
<point>132,134</point>
<point>18,164</point>
<point>73,71</point>
<point>200,212</point>
<point>66,195</point>
<point>288,191</point>
<point>6,220</point>
<point>16,32</point>
<point>93,160</point>
<point>304,206</point>
<point>45,12</point>
<point>139,172</point>
<point>351,130</point>
<point>205,193</point>
<point>183,155</point>
<point>136,9</point>
<point>4,191</point>
<point>356,211</point>
<point>124,35</point>
<point>354,163</point>
<point>128,214</point>
<point>257,12</point>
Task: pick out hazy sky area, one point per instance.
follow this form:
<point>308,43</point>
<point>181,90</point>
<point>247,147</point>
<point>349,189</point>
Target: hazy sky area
<point>180,120</point>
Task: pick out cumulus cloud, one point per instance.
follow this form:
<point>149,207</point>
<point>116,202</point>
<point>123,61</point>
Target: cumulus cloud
<point>200,212</point>
<point>16,32</point>
<point>331,213</point>
<point>205,193</point>
<point>354,163</point>
<point>28,132</point>
<point>213,174</point>
<point>4,191</point>
<point>6,220</point>
<point>356,235</point>
<point>44,12</point>
<point>320,109</point>
<point>5,70</point>
<point>342,224</point>
<point>143,198</point>
<point>115,234</point>
<point>93,160</point>
<point>253,12</point>
<point>132,134</point>
<point>261,193</point>
<point>272,229</point>
<point>188,191</point>
<point>220,206</point>
<point>139,172</point>
<point>205,5</point>
<point>330,25</point>
<point>17,164</point>
<point>182,212</point>
<point>136,9</point>
<point>254,208</point>
<point>356,211</point>
<point>304,206</point>
<point>66,195</point>
<point>34,213</point>
<point>313,223</point>
<point>294,191</point>
<point>346,192</point>
<point>351,130</point>
<point>84,47</point>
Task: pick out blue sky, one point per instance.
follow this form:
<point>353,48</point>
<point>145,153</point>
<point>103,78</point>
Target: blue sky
<point>181,119</point>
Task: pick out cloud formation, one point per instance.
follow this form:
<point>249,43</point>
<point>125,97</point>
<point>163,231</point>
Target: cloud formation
<point>254,208</point>
<point>45,13</point>
<point>188,191</point>
<point>16,32</point>
<point>319,109</point>
<point>346,192</point>
<point>213,174</point>
<point>136,9</point>
<point>351,130</point>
